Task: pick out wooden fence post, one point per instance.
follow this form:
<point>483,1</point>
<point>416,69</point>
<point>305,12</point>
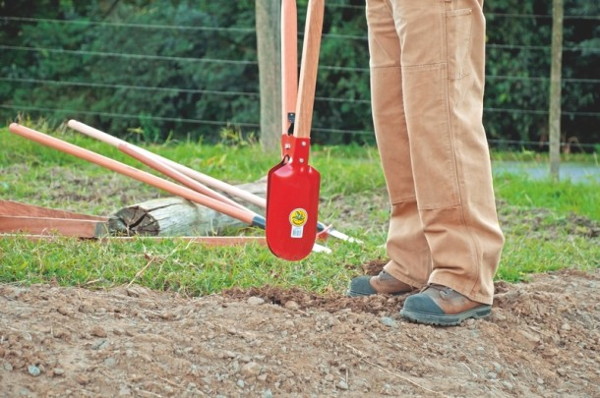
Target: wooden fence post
<point>267,35</point>
<point>555,88</point>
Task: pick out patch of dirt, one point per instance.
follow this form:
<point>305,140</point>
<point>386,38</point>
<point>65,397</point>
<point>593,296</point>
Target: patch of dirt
<point>67,189</point>
<point>544,224</point>
<point>542,340</point>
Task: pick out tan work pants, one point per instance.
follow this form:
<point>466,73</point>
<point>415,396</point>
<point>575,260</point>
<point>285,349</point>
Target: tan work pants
<point>427,80</point>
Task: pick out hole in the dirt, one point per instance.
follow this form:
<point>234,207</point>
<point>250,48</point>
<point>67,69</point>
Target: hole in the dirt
<point>331,302</point>
<point>305,300</point>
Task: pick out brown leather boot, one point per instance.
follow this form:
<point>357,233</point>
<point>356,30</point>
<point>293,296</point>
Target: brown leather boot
<point>441,305</point>
<point>383,283</point>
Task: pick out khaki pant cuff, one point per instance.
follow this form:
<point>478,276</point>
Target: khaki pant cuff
<point>394,270</point>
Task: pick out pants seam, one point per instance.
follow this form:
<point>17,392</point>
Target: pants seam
<point>410,199</point>
<point>451,129</point>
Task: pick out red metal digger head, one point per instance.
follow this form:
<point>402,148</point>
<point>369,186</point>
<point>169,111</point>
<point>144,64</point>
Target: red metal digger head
<point>292,204</point>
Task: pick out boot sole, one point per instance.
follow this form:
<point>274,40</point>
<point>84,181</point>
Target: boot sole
<point>446,319</point>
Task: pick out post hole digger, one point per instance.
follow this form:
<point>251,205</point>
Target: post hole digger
<point>293,185</point>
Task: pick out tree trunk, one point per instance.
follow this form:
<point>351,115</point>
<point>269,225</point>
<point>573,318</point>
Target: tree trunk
<point>267,36</point>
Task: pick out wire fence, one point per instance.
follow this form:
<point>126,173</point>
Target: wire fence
<point>8,49</point>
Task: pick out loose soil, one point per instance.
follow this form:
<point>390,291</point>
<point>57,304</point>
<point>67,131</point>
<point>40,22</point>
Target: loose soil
<point>542,340</point>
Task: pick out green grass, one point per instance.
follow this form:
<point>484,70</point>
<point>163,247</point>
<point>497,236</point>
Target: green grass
<point>563,197</point>
<point>548,226</point>
<point>523,256</point>
<point>173,264</point>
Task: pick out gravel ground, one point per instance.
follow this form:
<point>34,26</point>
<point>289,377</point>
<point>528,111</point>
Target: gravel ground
<point>542,340</point>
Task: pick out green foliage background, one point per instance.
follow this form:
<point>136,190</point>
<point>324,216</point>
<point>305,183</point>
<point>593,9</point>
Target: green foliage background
<point>188,94</point>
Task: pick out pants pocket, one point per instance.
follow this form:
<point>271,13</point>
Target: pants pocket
<point>458,42</point>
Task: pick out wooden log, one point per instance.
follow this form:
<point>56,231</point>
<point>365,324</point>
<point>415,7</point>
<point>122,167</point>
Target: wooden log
<point>174,216</point>
<point>171,216</point>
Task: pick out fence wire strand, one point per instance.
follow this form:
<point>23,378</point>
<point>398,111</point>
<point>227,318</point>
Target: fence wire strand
<point>254,63</point>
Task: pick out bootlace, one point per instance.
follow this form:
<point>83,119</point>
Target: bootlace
<point>444,290</point>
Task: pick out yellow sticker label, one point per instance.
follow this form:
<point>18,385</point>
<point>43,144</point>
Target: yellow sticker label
<point>298,217</point>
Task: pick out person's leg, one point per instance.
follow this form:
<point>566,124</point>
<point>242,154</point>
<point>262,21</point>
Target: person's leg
<point>410,261</point>
<point>442,63</point>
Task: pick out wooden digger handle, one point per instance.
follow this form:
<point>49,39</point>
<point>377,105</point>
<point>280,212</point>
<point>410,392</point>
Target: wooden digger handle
<point>308,68</point>
<point>289,61</point>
